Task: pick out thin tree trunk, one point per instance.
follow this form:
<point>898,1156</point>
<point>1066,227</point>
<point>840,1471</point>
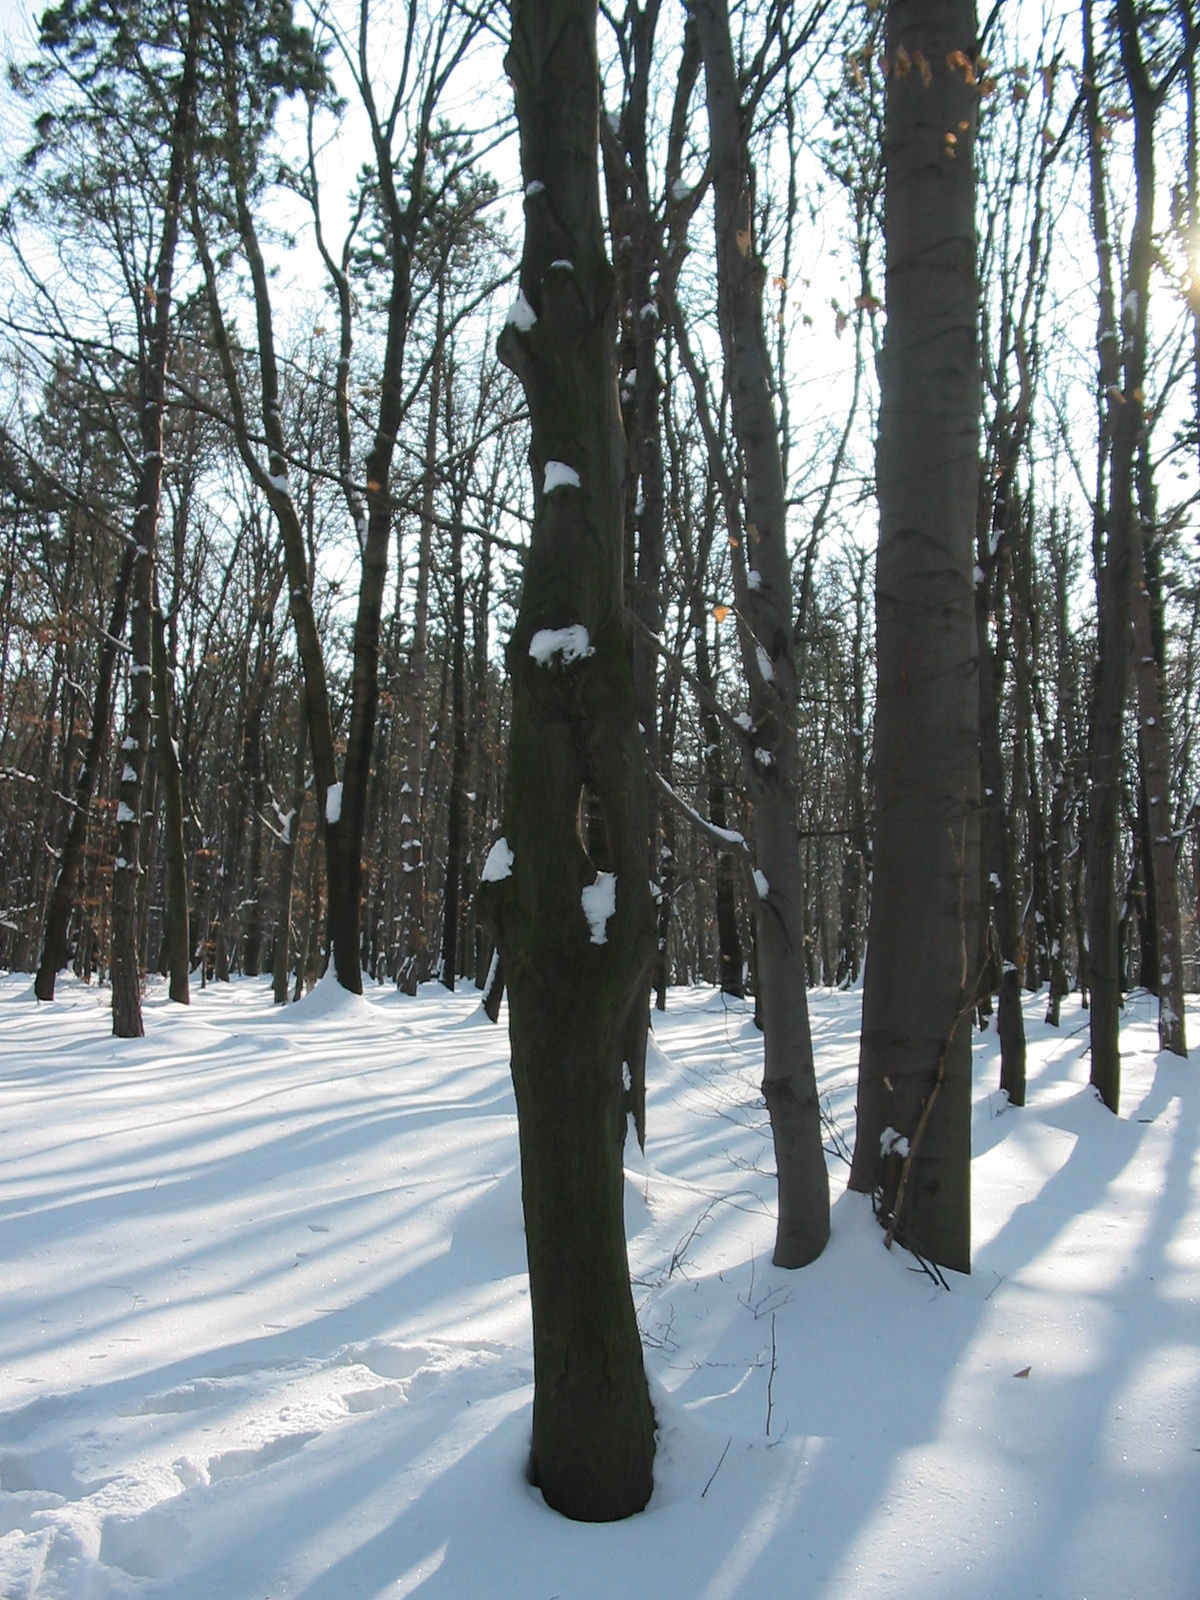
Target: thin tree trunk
<point>789,1079</point>
<point>458,773</point>
<point>178,938</point>
<point>287,861</point>
<point>412,865</point>
<point>1117,540</point>
<point>54,939</point>
<point>126,978</point>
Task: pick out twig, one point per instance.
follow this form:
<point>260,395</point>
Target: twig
<point>771,1377</point>
<point>717,1468</point>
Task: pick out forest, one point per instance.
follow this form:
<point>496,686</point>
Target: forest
<point>730,469</point>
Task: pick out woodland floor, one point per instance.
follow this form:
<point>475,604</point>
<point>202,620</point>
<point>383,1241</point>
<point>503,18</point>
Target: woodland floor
<point>264,1326</point>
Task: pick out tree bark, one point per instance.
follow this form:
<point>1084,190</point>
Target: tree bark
<point>1123,411</point>
<point>178,938</point>
<point>54,939</point>
<point>789,1078</point>
<point>573,983</point>
<point>126,977</point>
<point>287,863</point>
<point>915,1061</point>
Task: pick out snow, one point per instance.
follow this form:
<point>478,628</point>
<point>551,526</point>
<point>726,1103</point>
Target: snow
<point>571,643</point>
<point>521,314</point>
<point>754,578</point>
<point>125,813</point>
<point>128,775</point>
<point>265,1324</point>
<point>536,186</point>
<point>333,804</point>
<point>559,476</point>
<point>599,902</point>
<point>765,666</point>
<point>761,884</point>
<point>893,1143</point>
<point>499,863</point>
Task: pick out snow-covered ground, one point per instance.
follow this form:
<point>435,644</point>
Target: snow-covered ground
<point>264,1326</point>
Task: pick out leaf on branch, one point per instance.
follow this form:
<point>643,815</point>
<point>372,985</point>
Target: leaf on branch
<point>720,613</point>
<point>903,65</point>
<point>923,68</point>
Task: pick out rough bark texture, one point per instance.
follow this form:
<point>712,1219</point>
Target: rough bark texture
<point>789,1079</point>
<point>574,722</point>
<point>916,1039</point>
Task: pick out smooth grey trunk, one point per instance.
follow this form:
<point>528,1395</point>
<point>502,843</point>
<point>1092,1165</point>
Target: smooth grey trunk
<point>914,1080</point>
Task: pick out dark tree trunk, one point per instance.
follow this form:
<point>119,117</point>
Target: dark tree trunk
<point>126,977</point>
<point>178,940</point>
<point>254,791</point>
<point>789,1078</point>
<point>1116,544</point>
<point>287,863</point>
<point>914,1088</point>
<point>573,982</point>
<point>854,869</point>
<point>1154,762</point>
<point>54,940</point>
<point>412,861</point>
<point>731,973</point>
<point>458,771</point>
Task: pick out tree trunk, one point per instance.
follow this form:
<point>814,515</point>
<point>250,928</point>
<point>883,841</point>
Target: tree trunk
<point>458,773</point>
<point>731,969</point>
<point>126,978</point>
<point>178,939</point>
<point>287,862</point>
<point>54,940</point>
<point>412,861</point>
<point>576,947</point>
<point>789,1078</point>
<point>914,1087</point>
<point>1116,541</point>
<point>1154,755</point>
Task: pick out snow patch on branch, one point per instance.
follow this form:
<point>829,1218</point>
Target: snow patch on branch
<point>761,884</point>
<point>765,665</point>
<point>499,863</point>
<point>599,901</point>
<point>521,314</point>
<point>559,476</point>
<point>893,1143</point>
<point>333,804</point>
